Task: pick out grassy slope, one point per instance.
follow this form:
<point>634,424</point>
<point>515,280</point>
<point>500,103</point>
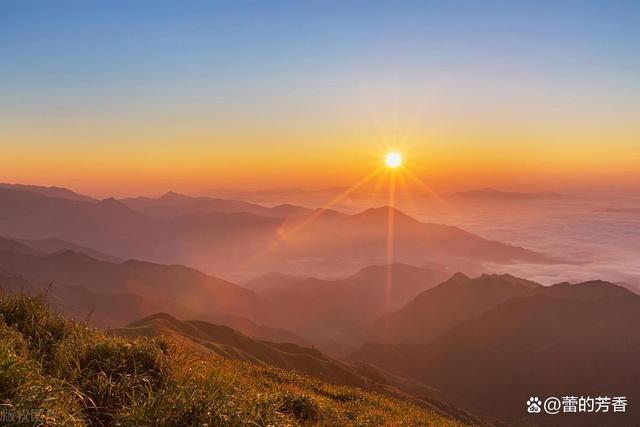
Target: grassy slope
<point>72,375</point>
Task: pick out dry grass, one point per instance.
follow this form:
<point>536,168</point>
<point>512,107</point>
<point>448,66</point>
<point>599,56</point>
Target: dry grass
<point>57,372</point>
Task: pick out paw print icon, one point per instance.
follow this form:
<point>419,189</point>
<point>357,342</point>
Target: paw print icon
<point>534,405</point>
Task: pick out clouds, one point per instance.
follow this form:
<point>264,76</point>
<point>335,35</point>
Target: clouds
<point>596,243</point>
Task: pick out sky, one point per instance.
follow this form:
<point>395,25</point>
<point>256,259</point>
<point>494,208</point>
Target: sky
<point>123,98</point>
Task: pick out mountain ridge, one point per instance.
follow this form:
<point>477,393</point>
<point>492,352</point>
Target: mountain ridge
<point>230,344</point>
<point>562,339</point>
<point>242,245</point>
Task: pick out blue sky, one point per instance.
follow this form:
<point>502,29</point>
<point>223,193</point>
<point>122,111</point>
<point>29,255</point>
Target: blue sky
<point>300,74</point>
<point>53,47</point>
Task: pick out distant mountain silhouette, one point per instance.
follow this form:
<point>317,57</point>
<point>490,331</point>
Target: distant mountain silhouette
<point>436,310</point>
<point>58,192</point>
<point>107,226</point>
<point>273,280</point>
<point>315,197</point>
<point>254,330</point>
<point>52,245</point>
<point>620,210</point>
<point>492,193</point>
<point>411,236</point>
<point>363,239</point>
<point>173,204</point>
<point>77,302</point>
<point>121,293</point>
<point>110,310</point>
<point>562,340</point>
<point>242,245</point>
<point>182,286</point>
<point>341,309</point>
<point>287,209</point>
<point>17,247</point>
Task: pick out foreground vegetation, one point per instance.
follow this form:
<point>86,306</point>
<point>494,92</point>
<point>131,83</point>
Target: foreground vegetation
<point>57,372</point>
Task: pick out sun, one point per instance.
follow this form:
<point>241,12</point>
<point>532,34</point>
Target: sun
<point>393,159</point>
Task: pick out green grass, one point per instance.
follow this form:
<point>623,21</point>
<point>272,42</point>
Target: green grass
<point>58,372</point>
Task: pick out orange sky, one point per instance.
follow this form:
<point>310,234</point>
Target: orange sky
<point>537,97</point>
<point>445,161</point>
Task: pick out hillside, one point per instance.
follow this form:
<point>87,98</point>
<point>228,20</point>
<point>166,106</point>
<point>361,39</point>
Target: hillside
<point>341,309</point>
<point>560,340</point>
<point>17,247</point>
<point>436,310</point>
<point>66,374</point>
<point>52,245</point>
<point>112,310</point>
<point>107,226</point>
<point>231,344</point>
<point>182,286</point>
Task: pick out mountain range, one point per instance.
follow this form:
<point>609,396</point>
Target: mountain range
<point>173,204</point>
<point>315,293</point>
<point>335,312</point>
<point>489,357</point>
<point>493,194</point>
<point>52,191</point>
<point>434,311</point>
<point>331,313</point>
<point>241,245</point>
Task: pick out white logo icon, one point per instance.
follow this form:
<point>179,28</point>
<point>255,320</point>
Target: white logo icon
<point>533,405</point>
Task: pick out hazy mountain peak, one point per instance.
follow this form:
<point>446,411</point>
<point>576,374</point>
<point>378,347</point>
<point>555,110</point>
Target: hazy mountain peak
<point>172,195</point>
<point>286,206</point>
<point>587,290</point>
<point>376,268</point>
<point>500,276</point>
<point>16,246</point>
<point>458,277</point>
<point>598,284</point>
<point>111,201</point>
<point>157,316</point>
<point>493,193</point>
<point>327,213</point>
<point>506,277</point>
<point>51,191</point>
<point>70,254</point>
<point>437,309</point>
<point>382,213</point>
<point>51,245</point>
<point>114,205</point>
